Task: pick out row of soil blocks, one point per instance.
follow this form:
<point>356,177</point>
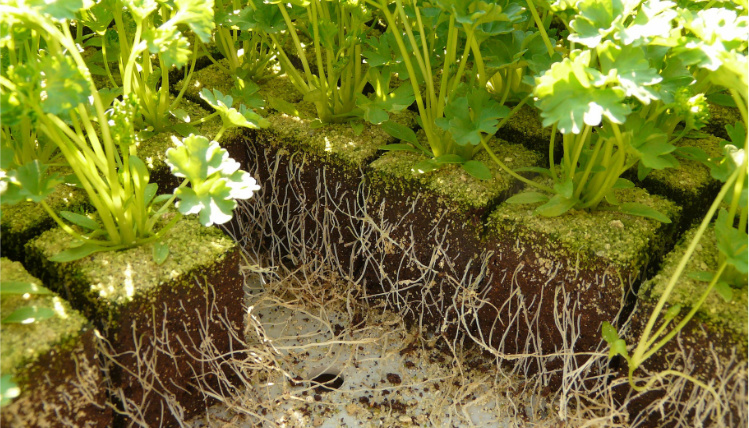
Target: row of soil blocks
<point>515,283</point>
<point>165,327</point>
<point>417,240</point>
<point>711,347</point>
<point>53,361</point>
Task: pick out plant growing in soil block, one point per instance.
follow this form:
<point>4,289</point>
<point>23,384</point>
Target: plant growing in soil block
<point>50,373</point>
<point>457,113</point>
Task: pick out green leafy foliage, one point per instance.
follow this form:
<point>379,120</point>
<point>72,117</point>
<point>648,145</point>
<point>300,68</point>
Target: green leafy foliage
<point>617,346</point>
<point>215,178</point>
<point>472,116</point>
<point>29,182</point>
<point>571,95</point>
<point>230,116</point>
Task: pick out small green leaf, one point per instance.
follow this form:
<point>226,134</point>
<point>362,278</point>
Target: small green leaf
<point>160,252</point>
<point>399,147</point>
<point>449,158</point>
<point>76,253</point>
<point>724,290</point>
<point>316,124</point>
<point>556,206</point>
<point>701,276</point>
<point>180,114</point>
<point>527,198</point>
<point>565,189</point>
<point>623,183</point>
<point>732,243</point>
<point>358,127</point>
<point>477,169</point>
<point>8,389</point>
<point>150,192</point>
<point>425,166</point>
<point>609,333</point>
<point>283,106</point>
<point>641,210</point>
<point>80,220</point>
<point>672,312</point>
<point>185,129</point>
<point>30,182</point>
<point>28,315</point>
<point>619,348</point>
<point>22,287</point>
<point>400,132</point>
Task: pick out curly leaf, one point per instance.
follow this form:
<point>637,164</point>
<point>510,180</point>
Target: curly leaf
<point>196,14</point>
<point>65,85</point>
<point>567,96</point>
<point>140,8</point>
<point>597,19</point>
<point>632,70</point>
<point>215,179</point>
<point>473,116</point>
<point>29,183</point>
<point>376,110</point>
<point>230,116</point>
<point>59,10</point>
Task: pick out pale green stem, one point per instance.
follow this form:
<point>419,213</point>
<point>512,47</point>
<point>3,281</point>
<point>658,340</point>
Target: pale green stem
<point>641,345</point>
<point>511,172</point>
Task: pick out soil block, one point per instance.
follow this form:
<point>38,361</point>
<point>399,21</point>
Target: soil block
<point>53,361</point>
<point>160,320</point>
<point>690,185</point>
<point>312,177</point>
<point>712,347</point>
<point>21,222</point>
<point>554,281</point>
<point>424,234</point>
<point>721,116</point>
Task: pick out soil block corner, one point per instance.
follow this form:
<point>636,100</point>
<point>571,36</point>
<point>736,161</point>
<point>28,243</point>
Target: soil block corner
<point>159,319</point>
<point>53,361</point>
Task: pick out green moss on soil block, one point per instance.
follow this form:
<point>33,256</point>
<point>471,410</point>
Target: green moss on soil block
<point>715,310</point>
<point>21,222</point>
<point>451,183</point>
<point>525,127</point>
<point>721,116</point>
<point>213,77</point>
<point>105,281</point>
<point>23,344</point>
<point>335,142</point>
<point>690,184</point>
<point>53,362</point>
<point>620,239</point>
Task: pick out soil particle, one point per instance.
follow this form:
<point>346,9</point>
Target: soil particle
<point>393,378</point>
